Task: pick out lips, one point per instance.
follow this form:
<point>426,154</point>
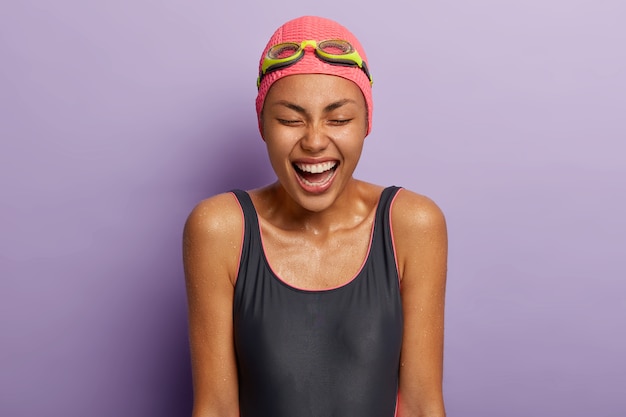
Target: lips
<point>315,177</point>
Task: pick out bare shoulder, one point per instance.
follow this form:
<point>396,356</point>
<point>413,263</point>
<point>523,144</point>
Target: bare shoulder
<point>420,233</point>
<point>213,233</point>
<point>216,214</point>
<point>416,213</point>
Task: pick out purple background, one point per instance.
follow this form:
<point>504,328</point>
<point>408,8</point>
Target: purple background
<point>117,117</point>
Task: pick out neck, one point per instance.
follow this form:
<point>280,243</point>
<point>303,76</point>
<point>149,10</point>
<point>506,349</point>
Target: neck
<point>348,210</point>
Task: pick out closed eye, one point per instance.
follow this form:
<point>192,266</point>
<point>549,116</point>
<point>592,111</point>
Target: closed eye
<point>339,122</point>
<point>288,122</point>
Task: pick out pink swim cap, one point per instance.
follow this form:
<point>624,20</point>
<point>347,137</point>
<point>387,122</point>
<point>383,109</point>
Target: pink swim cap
<point>318,29</point>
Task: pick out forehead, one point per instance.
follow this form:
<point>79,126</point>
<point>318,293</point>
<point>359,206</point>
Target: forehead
<point>312,90</point>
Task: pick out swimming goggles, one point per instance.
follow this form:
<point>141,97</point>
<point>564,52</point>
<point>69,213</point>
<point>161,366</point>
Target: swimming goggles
<point>334,51</point>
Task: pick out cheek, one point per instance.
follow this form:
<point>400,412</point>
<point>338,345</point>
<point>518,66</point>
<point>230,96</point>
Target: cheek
<point>275,159</point>
<point>357,150</point>
<point>352,140</point>
<point>278,150</point>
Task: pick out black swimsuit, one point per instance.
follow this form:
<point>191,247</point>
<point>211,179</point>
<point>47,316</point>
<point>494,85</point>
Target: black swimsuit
<point>322,353</point>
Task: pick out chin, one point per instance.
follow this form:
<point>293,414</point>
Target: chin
<point>315,202</point>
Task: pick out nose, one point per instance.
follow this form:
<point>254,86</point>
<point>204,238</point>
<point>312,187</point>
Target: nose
<point>315,140</point>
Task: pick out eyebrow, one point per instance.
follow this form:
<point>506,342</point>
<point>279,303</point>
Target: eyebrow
<point>302,110</point>
<point>337,104</point>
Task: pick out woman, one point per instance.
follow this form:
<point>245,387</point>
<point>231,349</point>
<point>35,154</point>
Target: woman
<point>317,295</point>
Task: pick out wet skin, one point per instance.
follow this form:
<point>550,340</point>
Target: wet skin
<point>314,127</point>
<point>318,123</point>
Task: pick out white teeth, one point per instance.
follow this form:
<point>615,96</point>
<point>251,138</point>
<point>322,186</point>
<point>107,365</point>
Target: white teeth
<point>316,168</point>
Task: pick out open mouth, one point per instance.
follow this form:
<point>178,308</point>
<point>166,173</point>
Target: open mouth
<point>316,175</point>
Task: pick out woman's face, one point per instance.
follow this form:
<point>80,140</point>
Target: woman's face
<point>314,126</point>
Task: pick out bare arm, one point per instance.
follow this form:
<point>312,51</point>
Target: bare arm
<point>211,248</point>
<point>421,247</point>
